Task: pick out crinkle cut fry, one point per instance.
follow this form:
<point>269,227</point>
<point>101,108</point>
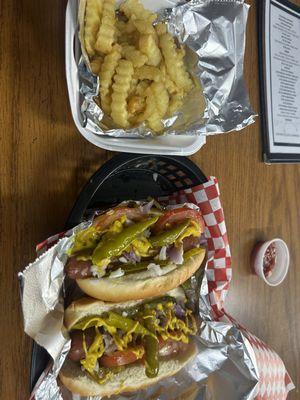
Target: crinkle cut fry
<point>157,95</point>
<point>107,72</point>
<point>160,28</point>
<point>133,8</point>
<point>176,100</point>
<point>170,85</point>
<point>96,65</point>
<point>137,58</point>
<point>121,87</point>
<point>174,63</point>
<point>107,30</point>
<point>148,46</point>
<point>144,27</point>
<point>148,72</point>
<point>92,22</point>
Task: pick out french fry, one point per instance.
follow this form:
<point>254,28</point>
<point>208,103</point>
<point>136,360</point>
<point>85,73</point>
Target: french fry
<point>96,65</point>
<point>133,8</point>
<point>148,72</point>
<point>107,30</point>
<point>136,104</point>
<point>174,63</point>
<point>133,86</point>
<point>121,87</point>
<point>175,103</point>
<point>107,72</point>
<point>148,46</point>
<point>158,100</point>
<point>143,26</point>
<point>125,28</point>
<point>141,88</point>
<point>137,58</point>
<point>92,21</point>
<point>142,73</point>
<point>160,28</point>
<point>169,84</point>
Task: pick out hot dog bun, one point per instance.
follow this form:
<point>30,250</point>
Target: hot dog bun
<point>86,306</point>
<point>141,285</point>
<point>132,378</point>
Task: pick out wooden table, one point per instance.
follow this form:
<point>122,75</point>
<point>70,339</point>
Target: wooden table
<point>45,162</point>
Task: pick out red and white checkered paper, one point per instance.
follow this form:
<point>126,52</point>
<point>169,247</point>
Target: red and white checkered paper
<point>274,382</point>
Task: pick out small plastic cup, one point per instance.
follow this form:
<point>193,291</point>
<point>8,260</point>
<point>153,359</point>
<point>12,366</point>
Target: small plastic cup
<point>282,262</point>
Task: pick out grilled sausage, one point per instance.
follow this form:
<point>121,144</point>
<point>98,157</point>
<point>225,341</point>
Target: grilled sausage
<point>77,352</point>
<point>78,269</point>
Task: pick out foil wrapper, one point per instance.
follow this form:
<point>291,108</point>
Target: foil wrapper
<point>213,32</point>
<point>224,368</point>
<point>42,301</point>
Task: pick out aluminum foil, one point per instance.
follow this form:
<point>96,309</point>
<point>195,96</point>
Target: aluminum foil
<point>224,368</point>
<point>213,32</point>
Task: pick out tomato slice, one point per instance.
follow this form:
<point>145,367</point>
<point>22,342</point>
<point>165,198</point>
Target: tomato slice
<point>103,221</point>
<point>177,215</point>
<point>125,357</point>
<point>118,358</point>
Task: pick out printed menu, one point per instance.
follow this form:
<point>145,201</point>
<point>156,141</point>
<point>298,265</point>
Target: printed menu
<point>281,80</point>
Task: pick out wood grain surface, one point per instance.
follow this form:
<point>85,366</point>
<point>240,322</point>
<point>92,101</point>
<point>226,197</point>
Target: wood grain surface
<point>44,163</point>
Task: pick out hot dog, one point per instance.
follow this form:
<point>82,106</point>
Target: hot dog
<point>136,251</point>
<point>77,352</point>
<point>127,346</point>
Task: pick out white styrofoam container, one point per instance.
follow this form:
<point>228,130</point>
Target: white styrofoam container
<point>184,145</point>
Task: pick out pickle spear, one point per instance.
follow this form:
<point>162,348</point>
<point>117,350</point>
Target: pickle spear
<point>115,245</point>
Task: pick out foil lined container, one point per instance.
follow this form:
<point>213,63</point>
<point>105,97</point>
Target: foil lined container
<point>224,368</point>
<point>213,32</point>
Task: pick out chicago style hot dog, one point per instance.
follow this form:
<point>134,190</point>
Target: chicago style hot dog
<point>128,346</point>
<point>133,252</point>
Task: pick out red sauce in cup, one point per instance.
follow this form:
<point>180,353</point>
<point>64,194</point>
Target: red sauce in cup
<point>269,260</point>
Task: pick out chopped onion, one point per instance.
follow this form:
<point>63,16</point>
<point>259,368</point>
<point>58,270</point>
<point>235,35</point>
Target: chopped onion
<point>155,270</point>
<point>146,207</point>
<point>109,344</point>
<point>163,253</point>
<point>187,205</point>
<point>117,273</point>
<point>123,260</point>
<point>97,273</point>
<point>176,254</point>
<point>131,257</point>
<point>179,311</point>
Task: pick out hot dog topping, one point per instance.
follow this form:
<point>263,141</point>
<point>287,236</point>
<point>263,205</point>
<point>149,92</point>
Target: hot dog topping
<point>125,235</point>
<point>138,335</point>
<point>269,260</point>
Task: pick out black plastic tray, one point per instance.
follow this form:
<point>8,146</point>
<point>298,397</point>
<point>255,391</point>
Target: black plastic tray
<point>124,177</point>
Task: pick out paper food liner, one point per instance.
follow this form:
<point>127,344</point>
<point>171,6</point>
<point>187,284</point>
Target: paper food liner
<point>231,362</point>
